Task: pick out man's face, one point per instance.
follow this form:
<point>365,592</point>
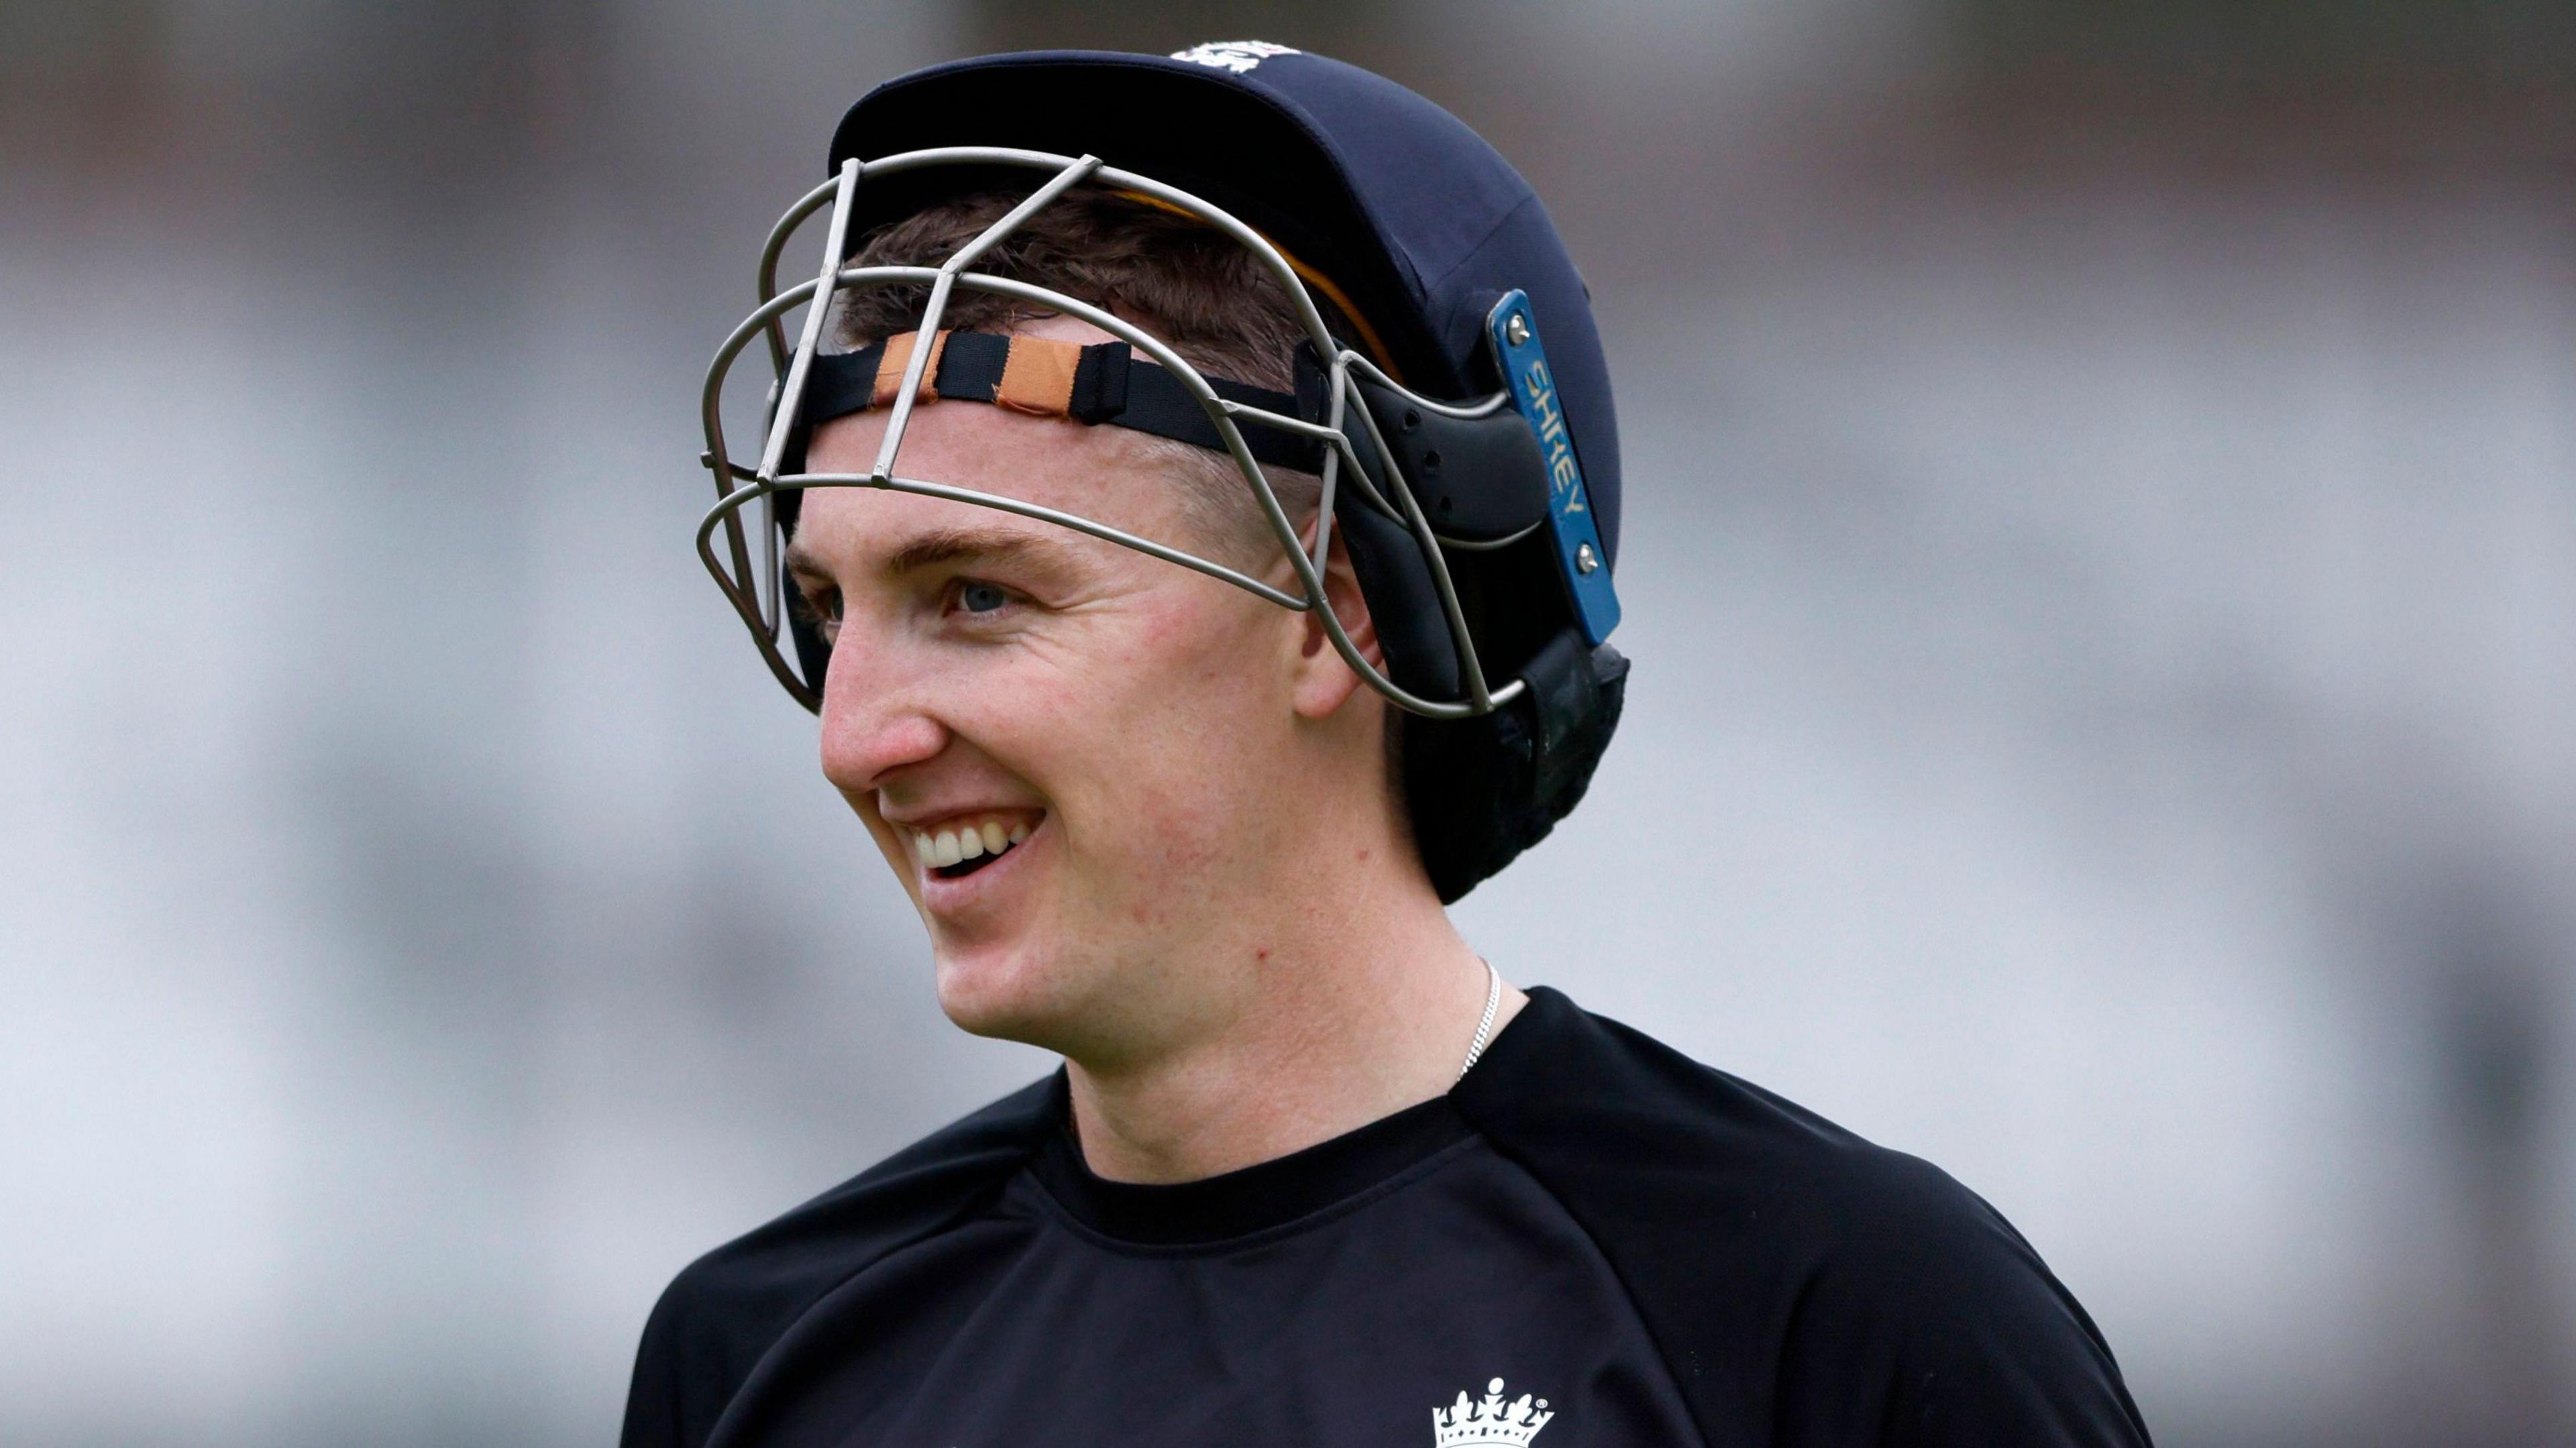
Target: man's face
<point>1121,726</point>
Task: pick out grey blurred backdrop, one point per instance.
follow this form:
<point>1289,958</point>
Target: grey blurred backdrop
<point>2101,563</point>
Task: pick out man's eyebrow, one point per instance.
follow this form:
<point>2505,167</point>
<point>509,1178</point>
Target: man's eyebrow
<point>945,545</point>
<point>801,562</point>
<point>961,545</point>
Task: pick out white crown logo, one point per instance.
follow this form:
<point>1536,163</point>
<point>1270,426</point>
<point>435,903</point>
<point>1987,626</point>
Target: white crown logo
<point>1494,1421</point>
<point>1239,56</point>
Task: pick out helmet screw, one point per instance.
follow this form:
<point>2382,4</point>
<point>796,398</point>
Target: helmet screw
<point>1516,329</point>
<point>1585,560</point>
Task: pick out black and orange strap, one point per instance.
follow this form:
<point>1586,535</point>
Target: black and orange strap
<point>1046,377</point>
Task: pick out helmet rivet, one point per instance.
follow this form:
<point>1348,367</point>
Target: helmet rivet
<point>1585,560</point>
<point>1516,328</point>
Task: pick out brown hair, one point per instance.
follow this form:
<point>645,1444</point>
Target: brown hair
<point>1192,286</point>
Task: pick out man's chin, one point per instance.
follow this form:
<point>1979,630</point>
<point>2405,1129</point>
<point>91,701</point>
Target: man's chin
<point>1002,991</point>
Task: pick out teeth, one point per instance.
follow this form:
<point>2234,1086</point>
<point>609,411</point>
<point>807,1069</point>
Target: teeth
<point>972,840</point>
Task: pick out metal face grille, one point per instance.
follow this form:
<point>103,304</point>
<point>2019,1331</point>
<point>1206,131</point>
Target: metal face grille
<point>757,591</point>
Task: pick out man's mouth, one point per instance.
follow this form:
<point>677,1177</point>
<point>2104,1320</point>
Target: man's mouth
<point>959,847</point>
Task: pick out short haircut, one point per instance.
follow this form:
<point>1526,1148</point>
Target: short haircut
<point>1191,286</point>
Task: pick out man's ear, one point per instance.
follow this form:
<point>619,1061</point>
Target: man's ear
<point>1324,682</point>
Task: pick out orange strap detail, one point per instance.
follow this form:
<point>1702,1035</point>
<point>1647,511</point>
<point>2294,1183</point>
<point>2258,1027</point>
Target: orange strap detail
<point>898,355</point>
<point>1038,377</point>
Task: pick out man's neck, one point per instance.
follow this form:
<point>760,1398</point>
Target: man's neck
<point>1353,1023</point>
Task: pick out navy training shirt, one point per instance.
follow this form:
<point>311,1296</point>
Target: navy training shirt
<point>1591,1242</point>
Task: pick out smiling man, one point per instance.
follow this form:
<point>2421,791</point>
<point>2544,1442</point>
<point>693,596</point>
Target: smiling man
<point>1075,757</point>
<point>1202,567</point>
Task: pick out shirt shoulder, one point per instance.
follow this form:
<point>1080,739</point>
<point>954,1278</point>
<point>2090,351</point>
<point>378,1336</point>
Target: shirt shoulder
<point>1804,1285</point>
<point>726,1309</point>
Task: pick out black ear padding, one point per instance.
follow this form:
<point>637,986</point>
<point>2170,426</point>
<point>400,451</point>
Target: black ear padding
<point>1479,479</point>
<point>1478,791</point>
<point>1412,631</point>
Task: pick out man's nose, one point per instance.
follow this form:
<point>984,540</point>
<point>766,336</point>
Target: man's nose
<point>876,715</point>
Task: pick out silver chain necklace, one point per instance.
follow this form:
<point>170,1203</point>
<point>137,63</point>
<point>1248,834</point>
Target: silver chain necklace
<point>1484,1027</point>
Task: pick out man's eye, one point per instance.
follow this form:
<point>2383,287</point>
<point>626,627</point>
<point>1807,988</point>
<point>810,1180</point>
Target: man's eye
<point>820,607</point>
<point>981,597</point>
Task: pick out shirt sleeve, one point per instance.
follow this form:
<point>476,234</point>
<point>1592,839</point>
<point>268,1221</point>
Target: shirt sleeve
<point>1934,1324</point>
<point>695,1352</point>
<point>728,1309</point>
<point>1806,1288</point>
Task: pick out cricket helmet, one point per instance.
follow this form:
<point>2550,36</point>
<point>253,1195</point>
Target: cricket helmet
<point>1470,461</point>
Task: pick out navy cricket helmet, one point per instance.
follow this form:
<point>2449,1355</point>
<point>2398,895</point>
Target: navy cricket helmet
<point>1457,407</point>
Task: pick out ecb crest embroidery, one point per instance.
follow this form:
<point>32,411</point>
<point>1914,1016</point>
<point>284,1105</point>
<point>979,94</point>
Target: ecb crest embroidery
<point>1234,55</point>
<point>1491,1422</point>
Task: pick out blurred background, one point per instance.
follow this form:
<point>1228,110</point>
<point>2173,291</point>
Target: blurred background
<point>2101,569</point>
